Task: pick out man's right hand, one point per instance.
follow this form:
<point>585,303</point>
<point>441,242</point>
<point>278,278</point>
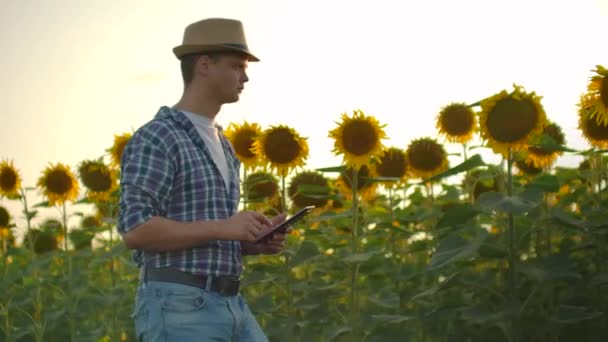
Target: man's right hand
<point>244,226</point>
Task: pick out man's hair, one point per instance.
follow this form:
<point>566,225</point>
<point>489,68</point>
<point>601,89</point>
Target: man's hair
<point>188,62</point>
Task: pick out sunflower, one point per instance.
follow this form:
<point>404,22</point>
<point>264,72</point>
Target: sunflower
<point>358,138</point>
<point>242,138</point>
<point>526,167</point>
<point>42,240</point>
<point>58,184</point>
<point>426,158</point>
<point>508,120</point>
<point>365,187</point>
<point>392,164</point>
<point>480,183</point>
<point>282,148</point>
<point>456,122</point>
<point>90,222</point>
<point>541,157</point>
<point>120,141</point>
<point>10,181</point>
<point>261,186</point>
<point>5,217</point>
<point>106,212</point>
<point>98,178</point>
<point>595,133</point>
<point>317,194</point>
<point>598,96</point>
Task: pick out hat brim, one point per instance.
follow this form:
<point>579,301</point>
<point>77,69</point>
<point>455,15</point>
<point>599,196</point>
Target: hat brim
<point>183,50</point>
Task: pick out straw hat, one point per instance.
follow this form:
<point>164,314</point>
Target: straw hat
<point>215,34</point>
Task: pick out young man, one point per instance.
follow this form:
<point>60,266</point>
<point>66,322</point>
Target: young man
<point>179,201</point>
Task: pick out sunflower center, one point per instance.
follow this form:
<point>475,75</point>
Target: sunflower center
<point>457,121</point>
<point>281,146</point>
<point>243,141</point>
<point>596,131</point>
<point>604,91</point>
<point>8,179</point>
<point>359,137</point>
<point>426,155</point>
<point>512,119</point>
<point>97,180</point>
<point>58,182</point>
<point>392,164</point>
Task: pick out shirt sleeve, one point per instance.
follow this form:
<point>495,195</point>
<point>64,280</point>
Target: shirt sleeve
<point>145,184</point>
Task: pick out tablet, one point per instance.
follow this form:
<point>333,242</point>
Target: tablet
<point>282,227</point>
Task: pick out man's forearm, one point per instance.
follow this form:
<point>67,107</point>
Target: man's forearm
<point>160,234</point>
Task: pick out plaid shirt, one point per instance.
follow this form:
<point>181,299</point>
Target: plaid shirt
<point>168,171</point>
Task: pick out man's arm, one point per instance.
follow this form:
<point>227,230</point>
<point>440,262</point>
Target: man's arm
<point>162,234</point>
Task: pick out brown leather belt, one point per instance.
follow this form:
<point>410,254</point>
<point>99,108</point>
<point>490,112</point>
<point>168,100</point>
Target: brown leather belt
<point>223,285</point>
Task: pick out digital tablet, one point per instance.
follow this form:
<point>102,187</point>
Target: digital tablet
<point>282,227</point>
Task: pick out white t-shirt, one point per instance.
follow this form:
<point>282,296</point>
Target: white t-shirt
<point>207,129</point>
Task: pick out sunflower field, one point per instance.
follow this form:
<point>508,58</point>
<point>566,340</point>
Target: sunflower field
<point>402,246</point>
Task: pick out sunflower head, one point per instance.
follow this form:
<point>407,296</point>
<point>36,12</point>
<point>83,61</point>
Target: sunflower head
<point>317,191</point>
<point>42,240</point>
<point>481,182</point>
<point>81,238</point>
<point>542,157</point>
<point>393,163</point>
<point>457,122</point>
<point>526,167</point>
<point>58,184</point>
<point>5,217</point>
<point>98,178</point>
<point>120,141</point>
<point>426,157</point>
<point>595,133</point>
<point>366,188</point>
<point>10,181</point>
<point>282,148</point>
<point>261,186</point>
<point>508,120</point>
<point>90,222</point>
<point>358,138</point>
<point>242,138</point>
<point>598,96</point>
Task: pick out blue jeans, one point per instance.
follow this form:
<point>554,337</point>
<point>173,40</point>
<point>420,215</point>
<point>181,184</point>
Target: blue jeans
<point>171,312</point>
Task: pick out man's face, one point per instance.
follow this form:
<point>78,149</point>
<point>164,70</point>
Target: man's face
<point>226,77</point>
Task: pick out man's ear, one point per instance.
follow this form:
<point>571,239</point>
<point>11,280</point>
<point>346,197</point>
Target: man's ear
<point>202,65</point>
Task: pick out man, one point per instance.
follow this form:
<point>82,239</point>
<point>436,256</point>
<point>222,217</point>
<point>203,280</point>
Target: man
<point>179,201</point>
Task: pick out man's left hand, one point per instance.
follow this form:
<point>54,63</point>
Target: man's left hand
<point>273,245</point>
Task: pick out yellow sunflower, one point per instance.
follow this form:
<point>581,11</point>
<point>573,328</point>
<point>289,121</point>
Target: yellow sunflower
<point>358,138</point>
<point>508,120</point>
<point>242,138</point>
<point>10,181</point>
<point>365,187</point>
<point>541,157</point>
<point>98,178</point>
<point>598,96</point>
<point>595,133</point>
<point>456,122</point>
<point>120,141</point>
<point>426,158</point>
<point>282,148</point>
<point>319,192</point>
<point>90,222</point>
<point>261,186</point>
<point>392,164</point>
<point>58,184</point>
<point>526,167</point>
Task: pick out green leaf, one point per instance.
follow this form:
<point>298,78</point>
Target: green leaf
<point>552,268</point>
<point>332,169</point>
<point>562,217</point>
<point>569,314</point>
<point>469,164</point>
<point>44,204</point>
<point>387,301</point>
<point>516,205</point>
<point>436,288</point>
<point>307,251</point>
<point>393,319</point>
<point>549,144</point>
<point>359,257</point>
<point>460,214</point>
<point>453,248</point>
<point>548,183</point>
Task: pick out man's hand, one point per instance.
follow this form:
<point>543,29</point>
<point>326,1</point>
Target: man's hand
<point>244,226</point>
<point>273,245</point>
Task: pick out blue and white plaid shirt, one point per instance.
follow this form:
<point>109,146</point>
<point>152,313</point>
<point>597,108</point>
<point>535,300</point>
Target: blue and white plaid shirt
<point>168,171</point>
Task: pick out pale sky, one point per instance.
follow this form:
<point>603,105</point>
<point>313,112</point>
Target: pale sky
<point>75,72</point>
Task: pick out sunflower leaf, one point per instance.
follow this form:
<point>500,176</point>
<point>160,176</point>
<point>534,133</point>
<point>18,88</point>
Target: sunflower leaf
<point>548,144</point>
<point>44,204</point>
<point>517,205</point>
<point>471,163</point>
<point>340,168</point>
<point>548,183</point>
<point>457,215</point>
<point>453,248</point>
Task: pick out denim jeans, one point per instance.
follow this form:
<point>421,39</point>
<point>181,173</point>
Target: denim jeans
<point>174,312</point>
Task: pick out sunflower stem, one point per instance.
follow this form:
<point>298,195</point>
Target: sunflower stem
<point>354,247</point>
<point>28,220</point>
<point>245,192</point>
<point>512,251</point>
<point>64,217</point>
<point>283,197</point>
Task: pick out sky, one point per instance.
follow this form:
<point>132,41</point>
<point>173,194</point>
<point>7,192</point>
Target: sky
<point>74,72</point>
